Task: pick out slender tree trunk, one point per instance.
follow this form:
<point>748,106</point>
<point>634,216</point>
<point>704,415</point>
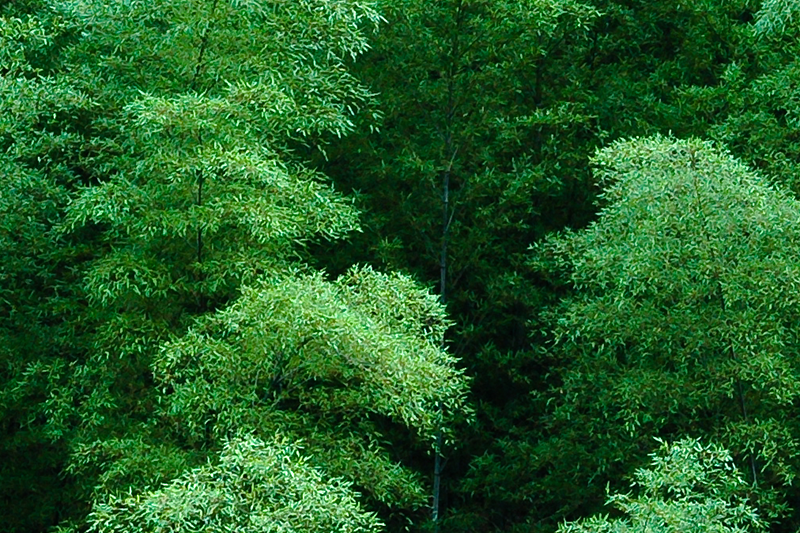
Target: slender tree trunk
<point>195,77</point>
<point>449,152</point>
<point>439,460</point>
<point>203,46</point>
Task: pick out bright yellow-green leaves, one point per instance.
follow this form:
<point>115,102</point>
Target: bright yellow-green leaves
<point>331,353</point>
<point>327,347</point>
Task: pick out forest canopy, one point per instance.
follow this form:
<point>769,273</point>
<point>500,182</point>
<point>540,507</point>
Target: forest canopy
<point>363,266</point>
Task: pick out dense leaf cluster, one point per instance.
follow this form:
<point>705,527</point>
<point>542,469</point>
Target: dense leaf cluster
<point>220,221</point>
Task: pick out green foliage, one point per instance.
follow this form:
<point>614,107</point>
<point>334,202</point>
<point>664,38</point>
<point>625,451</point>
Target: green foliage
<point>165,197</point>
<point>255,487</point>
<point>759,109</point>
<point>31,299</point>
<point>320,358</point>
<point>681,318</point>
<point>689,487</point>
<point>388,359</point>
<point>508,100</point>
<point>483,95</point>
<point>775,15</point>
<point>158,205</point>
<point>458,85</point>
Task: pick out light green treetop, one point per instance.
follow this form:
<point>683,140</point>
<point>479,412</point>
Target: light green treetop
<point>254,487</point>
<point>775,16</point>
<point>690,487</point>
<point>685,312</point>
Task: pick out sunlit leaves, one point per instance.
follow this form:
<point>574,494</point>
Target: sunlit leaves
<point>333,347</point>
<point>18,37</point>
<point>689,487</point>
<point>155,144</point>
<point>685,311</point>
<point>775,15</point>
<point>255,487</point>
<point>190,45</point>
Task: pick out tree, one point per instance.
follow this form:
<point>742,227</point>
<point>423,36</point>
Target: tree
<point>683,317</point>
<point>32,200</point>
<point>775,15</point>
<point>254,487</point>
<point>754,110</point>
<point>507,101</point>
<point>689,487</point>
<point>453,184</point>
<point>176,209</point>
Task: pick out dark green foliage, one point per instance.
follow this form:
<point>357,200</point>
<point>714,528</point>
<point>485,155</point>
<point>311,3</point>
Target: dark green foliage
<point>166,223</point>
<point>469,94</point>
<point>508,100</point>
